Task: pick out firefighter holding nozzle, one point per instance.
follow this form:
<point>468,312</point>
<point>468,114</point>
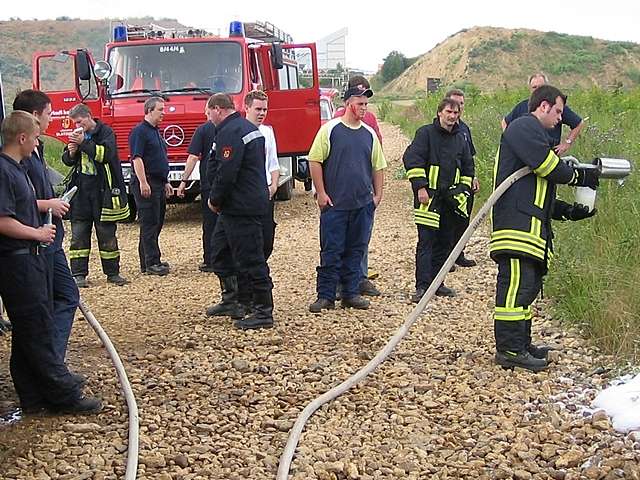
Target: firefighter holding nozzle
<point>521,224</point>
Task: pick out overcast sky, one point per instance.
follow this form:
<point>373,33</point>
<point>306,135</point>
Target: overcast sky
<point>375,28</point>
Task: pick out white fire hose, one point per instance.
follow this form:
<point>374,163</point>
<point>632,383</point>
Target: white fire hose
<point>132,449</point>
<point>296,430</point>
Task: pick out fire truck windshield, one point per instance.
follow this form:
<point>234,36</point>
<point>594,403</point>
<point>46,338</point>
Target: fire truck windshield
<point>181,67</point>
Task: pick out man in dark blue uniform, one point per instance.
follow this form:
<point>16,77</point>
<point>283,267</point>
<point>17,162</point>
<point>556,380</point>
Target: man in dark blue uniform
<point>150,185</point>
<point>63,289</point>
<point>463,223</point>
<point>200,148</point>
<point>569,118</point>
<point>39,374</point>
<point>240,196</point>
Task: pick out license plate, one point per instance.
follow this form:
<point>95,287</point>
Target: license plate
<point>175,176</point>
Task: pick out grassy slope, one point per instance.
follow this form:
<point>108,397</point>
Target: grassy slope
<point>499,58</point>
<point>595,274</point>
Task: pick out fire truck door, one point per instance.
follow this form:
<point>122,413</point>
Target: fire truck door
<point>67,78</point>
<point>294,99</point>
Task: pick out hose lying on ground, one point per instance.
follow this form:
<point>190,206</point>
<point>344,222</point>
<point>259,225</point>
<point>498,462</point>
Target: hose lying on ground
<point>296,430</point>
<point>132,449</point>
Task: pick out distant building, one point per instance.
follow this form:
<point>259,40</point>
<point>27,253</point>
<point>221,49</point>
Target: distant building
<point>332,50</point>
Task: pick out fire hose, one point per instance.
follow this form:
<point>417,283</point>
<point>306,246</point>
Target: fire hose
<point>132,449</point>
<point>381,356</point>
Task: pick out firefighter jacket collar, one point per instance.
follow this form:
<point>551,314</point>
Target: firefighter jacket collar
<point>454,130</point>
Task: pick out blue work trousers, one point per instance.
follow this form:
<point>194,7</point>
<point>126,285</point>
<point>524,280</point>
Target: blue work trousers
<point>344,235</point>
<point>65,299</point>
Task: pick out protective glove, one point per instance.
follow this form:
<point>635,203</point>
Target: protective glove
<point>457,197</point>
<point>586,178</point>
<point>565,211</point>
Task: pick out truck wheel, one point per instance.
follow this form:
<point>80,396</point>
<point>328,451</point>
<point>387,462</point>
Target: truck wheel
<point>133,210</point>
<point>285,191</point>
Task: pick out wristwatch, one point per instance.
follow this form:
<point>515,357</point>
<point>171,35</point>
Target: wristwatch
<point>569,141</point>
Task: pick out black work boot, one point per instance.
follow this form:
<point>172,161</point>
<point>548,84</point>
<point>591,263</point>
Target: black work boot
<point>444,291</point>
<point>416,297</point>
<point>241,310</point>
<point>540,351</point>
<point>358,302</point>
<point>322,304</point>
<point>261,315</point>
<point>465,262</point>
<point>368,288</point>
<point>520,359</point>
<point>229,303</point>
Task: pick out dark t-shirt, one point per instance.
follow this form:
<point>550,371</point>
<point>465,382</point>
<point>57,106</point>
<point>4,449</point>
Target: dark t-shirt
<point>200,145</point>
<point>17,200</point>
<point>37,170</point>
<point>145,142</point>
<point>569,117</point>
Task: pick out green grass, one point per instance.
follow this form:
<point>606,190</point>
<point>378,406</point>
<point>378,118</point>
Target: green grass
<point>595,275</point>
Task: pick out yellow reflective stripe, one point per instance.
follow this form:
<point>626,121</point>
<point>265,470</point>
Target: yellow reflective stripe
<point>456,179</point>
<point>528,313</point>
<point>434,173</point>
<point>114,214</point>
<point>100,153</point>
<point>516,246</point>
<point>536,226</point>
<point>416,173</point>
<point>422,216</point>
<point>86,165</point>
<point>548,165</point>
<point>514,283</point>
<point>109,255</point>
<point>466,181</point>
<point>108,170</point>
<point>541,191</point>
<point>79,253</point>
<point>518,235</point>
<point>510,314</point>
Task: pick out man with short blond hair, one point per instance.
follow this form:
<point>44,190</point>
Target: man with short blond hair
<point>42,380</point>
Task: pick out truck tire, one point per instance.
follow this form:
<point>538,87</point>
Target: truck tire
<point>285,191</point>
<point>133,210</point>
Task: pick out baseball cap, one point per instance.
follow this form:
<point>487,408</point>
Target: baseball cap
<point>357,91</point>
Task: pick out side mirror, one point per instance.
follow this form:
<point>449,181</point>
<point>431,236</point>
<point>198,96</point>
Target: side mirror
<point>276,56</point>
<point>83,66</point>
<point>102,70</point>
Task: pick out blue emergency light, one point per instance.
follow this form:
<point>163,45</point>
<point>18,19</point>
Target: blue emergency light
<point>120,33</point>
<point>236,29</point>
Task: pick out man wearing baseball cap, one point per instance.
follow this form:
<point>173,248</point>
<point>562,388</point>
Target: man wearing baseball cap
<point>347,167</point>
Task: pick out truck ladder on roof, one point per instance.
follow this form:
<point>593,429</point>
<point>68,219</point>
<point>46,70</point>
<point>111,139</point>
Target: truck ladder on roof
<point>267,32</point>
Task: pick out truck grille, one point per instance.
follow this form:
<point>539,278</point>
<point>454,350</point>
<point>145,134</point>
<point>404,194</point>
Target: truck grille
<point>176,154</point>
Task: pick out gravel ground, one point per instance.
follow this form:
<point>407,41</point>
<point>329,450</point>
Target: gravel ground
<point>216,403</point>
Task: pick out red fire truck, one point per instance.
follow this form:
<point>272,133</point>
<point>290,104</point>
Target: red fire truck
<point>185,67</point>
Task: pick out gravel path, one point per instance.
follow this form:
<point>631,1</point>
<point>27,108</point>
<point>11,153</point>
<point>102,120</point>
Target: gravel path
<point>216,403</point>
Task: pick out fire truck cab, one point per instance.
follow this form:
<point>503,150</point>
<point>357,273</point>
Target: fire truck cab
<point>185,67</point>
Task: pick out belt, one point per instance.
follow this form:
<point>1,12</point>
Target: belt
<point>21,251</point>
